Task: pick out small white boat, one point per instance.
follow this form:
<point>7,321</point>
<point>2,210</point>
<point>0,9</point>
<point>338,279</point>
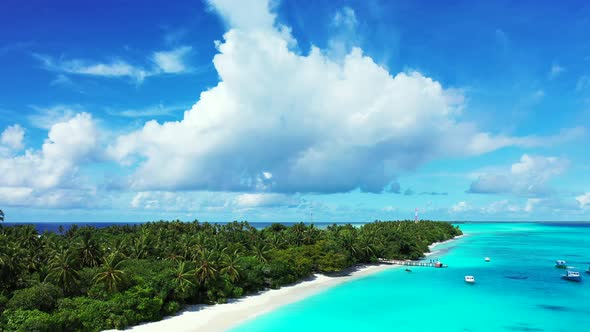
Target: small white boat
<point>487,259</point>
<point>470,279</point>
<point>561,264</point>
<point>572,276</point>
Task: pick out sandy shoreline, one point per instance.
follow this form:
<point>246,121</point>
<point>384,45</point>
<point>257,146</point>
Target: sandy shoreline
<point>221,317</point>
<point>431,247</point>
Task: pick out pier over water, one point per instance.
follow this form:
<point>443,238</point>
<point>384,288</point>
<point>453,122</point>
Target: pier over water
<point>413,263</point>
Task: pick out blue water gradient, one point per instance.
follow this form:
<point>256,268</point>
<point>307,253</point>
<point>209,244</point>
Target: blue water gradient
<point>430,299</point>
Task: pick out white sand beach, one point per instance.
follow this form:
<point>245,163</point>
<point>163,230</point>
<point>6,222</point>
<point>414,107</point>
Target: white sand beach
<point>221,317</point>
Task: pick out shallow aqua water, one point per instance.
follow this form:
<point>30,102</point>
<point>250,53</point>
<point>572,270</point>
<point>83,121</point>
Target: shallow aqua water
<point>430,299</point>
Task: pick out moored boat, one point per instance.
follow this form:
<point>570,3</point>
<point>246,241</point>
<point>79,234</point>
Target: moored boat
<point>572,276</point>
<point>487,259</point>
<point>560,264</point>
<point>470,279</point>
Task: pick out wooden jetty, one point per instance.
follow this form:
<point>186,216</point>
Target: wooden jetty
<point>414,263</point>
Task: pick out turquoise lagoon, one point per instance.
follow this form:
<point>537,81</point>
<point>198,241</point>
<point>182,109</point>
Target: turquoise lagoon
<point>430,299</point>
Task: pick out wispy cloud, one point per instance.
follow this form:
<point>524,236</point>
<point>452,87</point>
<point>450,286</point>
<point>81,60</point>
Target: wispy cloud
<point>483,142</point>
<point>8,48</point>
<point>152,110</point>
<point>434,193</point>
<point>544,207</point>
<point>173,36</point>
<point>344,33</point>
<point>461,207</point>
<point>502,39</point>
<point>46,117</point>
<point>172,62</point>
<point>163,62</point>
<point>583,83</point>
<point>345,17</point>
<point>113,68</point>
<point>62,80</point>
<point>555,71</point>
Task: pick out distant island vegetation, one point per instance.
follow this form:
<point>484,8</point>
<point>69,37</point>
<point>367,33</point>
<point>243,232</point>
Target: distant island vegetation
<point>91,279</point>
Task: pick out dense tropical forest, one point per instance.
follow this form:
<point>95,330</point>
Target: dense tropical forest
<point>89,279</point>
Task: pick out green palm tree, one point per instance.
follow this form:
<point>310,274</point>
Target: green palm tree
<point>62,270</point>
<point>88,250</point>
<point>297,233</point>
<point>366,249</point>
<point>140,247</point>
<point>348,241</point>
<point>310,235</point>
<point>50,245</point>
<point>277,240</point>
<point>111,275</point>
<point>231,266</point>
<point>1,216</point>
<point>12,258</point>
<point>3,252</point>
<point>182,279</point>
<point>261,252</point>
<point>118,248</point>
<point>206,270</point>
<point>174,257</point>
<point>28,236</point>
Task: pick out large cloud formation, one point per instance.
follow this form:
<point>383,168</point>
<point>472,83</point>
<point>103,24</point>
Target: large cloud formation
<point>286,122</point>
<point>49,177</point>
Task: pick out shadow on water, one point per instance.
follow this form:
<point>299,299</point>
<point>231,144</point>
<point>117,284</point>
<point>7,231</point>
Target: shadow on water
<point>553,307</point>
<point>516,277</point>
<point>348,271</point>
<point>443,251</point>
<point>522,327</point>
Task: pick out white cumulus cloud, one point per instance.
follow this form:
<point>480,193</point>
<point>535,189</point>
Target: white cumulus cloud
<point>49,176</point>
<point>529,176</point>
<point>461,207</point>
<point>12,137</point>
<point>207,201</point>
<point>252,200</point>
<point>584,200</point>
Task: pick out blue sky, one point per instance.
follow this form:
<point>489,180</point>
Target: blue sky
<point>269,111</point>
